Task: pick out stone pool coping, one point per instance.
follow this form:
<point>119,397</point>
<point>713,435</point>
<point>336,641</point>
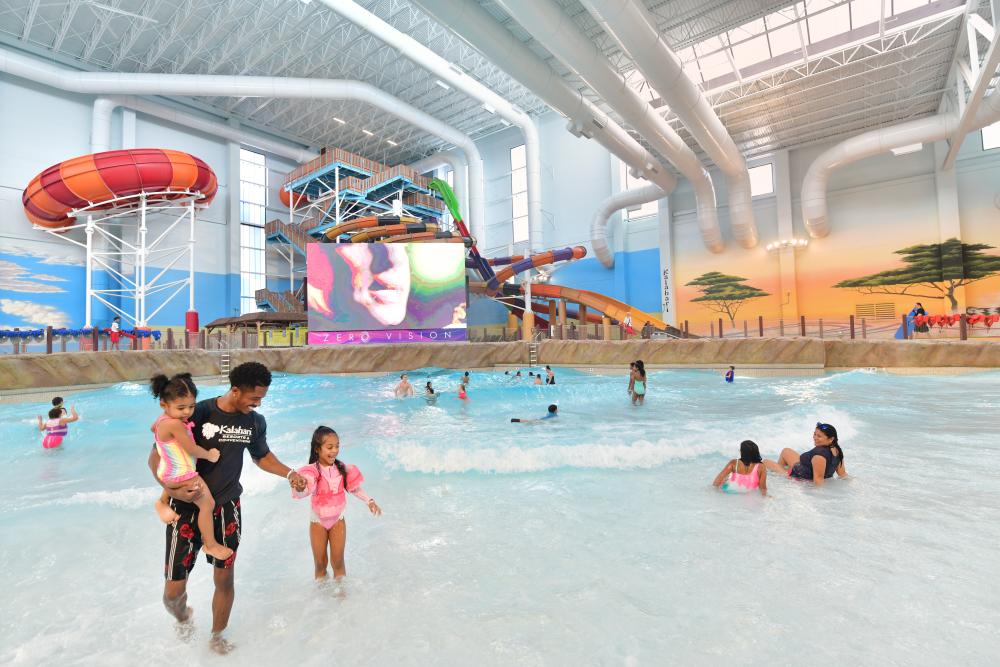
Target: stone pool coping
<point>36,373</point>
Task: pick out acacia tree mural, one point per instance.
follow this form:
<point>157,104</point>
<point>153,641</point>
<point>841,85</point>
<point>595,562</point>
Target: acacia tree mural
<point>722,293</point>
<point>931,271</point>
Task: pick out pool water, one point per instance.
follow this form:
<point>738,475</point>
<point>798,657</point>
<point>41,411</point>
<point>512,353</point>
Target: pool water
<point>595,539</point>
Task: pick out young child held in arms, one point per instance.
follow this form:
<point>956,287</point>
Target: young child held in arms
<point>178,451</point>
<point>744,474</point>
<point>327,479</point>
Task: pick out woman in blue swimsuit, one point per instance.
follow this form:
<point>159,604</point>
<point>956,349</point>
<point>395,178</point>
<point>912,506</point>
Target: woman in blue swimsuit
<point>816,465</point>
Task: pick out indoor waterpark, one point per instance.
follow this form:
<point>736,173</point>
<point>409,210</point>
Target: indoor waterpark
<point>621,332</point>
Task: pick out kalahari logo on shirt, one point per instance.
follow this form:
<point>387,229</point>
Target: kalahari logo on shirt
<point>226,433</point>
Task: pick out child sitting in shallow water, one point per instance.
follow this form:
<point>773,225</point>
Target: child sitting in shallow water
<point>744,474</point>
<point>178,451</point>
<point>327,478</point>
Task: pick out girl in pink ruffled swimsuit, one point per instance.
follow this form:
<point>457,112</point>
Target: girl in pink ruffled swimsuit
<point>326,481</point>
<point>744,474</point>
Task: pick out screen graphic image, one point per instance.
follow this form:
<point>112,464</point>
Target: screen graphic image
<point>365,293</point>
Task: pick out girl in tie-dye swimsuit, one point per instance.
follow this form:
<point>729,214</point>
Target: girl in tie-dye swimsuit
<point>175,444</point>
<point>744,474</point>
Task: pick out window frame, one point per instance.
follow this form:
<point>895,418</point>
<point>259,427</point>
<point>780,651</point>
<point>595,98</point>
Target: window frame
<point>519,198</point>
<point>253,213</point>
<point>750,170</point>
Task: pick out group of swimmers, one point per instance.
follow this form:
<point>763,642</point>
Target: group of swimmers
<point>404,389</point>
<point>197,459</point>
<point>55,427</point>
<point>749,471</point>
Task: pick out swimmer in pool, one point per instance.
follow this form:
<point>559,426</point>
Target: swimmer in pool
<point>55,426</point>
<point>744,474</point>
<point>404,389</point>
<point>551,414</point>
<point>57,402</point>
<point>816,465</point>
<point>429,394</point>
<point>538,379</point>
<point>731,374</point>
<point>638,382</point>
<point>327,480</point>
<point>462,395</point>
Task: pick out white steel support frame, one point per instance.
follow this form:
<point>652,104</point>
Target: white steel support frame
<point>138,209</point>
<point>974,73</point>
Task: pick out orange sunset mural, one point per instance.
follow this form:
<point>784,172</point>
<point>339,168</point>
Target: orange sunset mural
<point>835,277</point>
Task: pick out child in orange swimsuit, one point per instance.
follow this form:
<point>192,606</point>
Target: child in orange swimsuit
<point>744,474</point>
<point>178,451</point>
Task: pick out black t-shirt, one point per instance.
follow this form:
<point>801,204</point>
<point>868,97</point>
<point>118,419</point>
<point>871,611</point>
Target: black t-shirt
<point>231,433</point>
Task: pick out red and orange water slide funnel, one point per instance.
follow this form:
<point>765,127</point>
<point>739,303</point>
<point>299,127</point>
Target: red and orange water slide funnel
<point>102,180</point>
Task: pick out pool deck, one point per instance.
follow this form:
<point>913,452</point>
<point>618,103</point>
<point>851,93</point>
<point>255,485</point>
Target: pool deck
<point>28,373</point>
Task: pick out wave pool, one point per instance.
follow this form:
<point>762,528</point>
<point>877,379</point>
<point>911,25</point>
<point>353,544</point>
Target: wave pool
<point>593,540</point>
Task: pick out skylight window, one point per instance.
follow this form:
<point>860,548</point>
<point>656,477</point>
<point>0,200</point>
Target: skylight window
<point>751,52</point>
<point>865,12</point>
<point>900,6</point>
<point>829,23</point>
<point>774,42</point>
<point>785,39</point>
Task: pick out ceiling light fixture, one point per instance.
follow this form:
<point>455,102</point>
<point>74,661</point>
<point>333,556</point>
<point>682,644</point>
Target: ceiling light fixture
<point>370,134</point>
<point>342,122</point>
<point>909,148</point>
<point>442,84</point>
<point>489,107</point>
<point>391,142</point>
<point>787,243</point>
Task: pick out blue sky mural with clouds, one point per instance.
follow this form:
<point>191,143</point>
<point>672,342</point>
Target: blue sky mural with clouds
<point>39,289</point>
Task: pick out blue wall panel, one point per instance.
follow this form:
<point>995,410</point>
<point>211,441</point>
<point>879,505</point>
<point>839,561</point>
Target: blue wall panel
<point>34,294</point>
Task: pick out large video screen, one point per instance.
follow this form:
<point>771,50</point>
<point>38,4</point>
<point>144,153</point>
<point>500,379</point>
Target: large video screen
<point>362,293</point>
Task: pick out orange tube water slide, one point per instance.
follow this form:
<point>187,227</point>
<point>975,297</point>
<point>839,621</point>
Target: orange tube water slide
<point>392,230</point>
<point>366,222</point>
<point>613,308</point>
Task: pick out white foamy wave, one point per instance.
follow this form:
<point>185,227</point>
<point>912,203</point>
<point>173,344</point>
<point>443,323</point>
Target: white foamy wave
<point>121,499</point>
<point>641,454</point>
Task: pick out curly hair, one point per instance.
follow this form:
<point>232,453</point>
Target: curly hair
<point>249,375</point>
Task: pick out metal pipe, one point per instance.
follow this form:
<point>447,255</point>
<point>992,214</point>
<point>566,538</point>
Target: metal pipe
<point>424,57</point>
<point>546,22</point>
<point>628,22</point>
<point>198,85</point>
<point>815,214</point>
<point>616,202</point>
<point>474,24</point>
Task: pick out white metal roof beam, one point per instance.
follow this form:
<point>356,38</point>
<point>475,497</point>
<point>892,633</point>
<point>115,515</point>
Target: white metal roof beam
<point>982,76</point>
<point>30,20</point>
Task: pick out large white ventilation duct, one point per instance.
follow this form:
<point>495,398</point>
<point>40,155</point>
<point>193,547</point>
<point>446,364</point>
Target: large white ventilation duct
<point>557,32</point>
<point>458,166</point>
<point>197,85</point>
<point>630,24</point>
<point>448,73</point>
<point>923,130</point>
<point>100,130</point>
<point>616,202</point>
<point>474,24</point>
